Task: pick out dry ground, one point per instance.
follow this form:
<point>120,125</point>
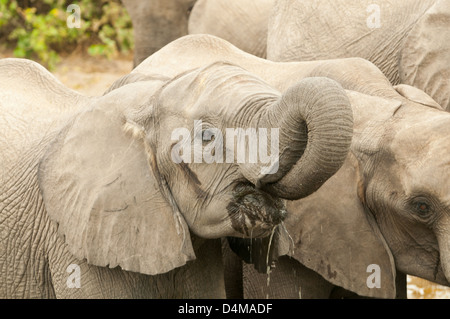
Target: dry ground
<point>91,76</point>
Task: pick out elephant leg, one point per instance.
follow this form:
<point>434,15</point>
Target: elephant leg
<point>202,278</point>
<point>401,286</point>
<point>287,280</point>
<point>233,272</point>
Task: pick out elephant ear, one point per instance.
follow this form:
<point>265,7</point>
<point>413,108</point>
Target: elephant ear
<point>425,54</point>
<point>100,183</point>
<point>337,238</point>
<point>414,94</point>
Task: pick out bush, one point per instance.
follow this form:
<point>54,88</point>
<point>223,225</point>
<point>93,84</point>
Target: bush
<point>39,29</point>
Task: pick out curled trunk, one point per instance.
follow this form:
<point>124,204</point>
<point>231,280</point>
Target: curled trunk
<point>315,122</point>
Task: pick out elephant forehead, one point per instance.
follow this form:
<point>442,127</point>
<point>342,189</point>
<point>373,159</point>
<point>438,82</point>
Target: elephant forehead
<point>430,181</point>
<point>424,158</point>
<point>421,135</point>
<point>433,170</point>
<point>219,88</point>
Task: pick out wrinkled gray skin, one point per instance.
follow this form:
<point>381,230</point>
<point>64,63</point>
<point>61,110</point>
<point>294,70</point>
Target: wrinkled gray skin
<point>388,205</point>
<point>410,46</point>
<point>240,22</point>
<point>90,181</point>
<point>157,23</point>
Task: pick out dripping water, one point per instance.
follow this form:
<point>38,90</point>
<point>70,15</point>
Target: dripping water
<point>250,247</point>
<point>291,246</point>
<point>268,269</point>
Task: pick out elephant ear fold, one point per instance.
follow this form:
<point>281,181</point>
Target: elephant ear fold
<point>425,54</point>
<point>414,94</point>
<point>334,236</point>
<point>100,183</point>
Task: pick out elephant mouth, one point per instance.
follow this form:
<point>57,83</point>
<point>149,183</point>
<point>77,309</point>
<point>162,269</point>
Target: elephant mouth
<point>253,212</point>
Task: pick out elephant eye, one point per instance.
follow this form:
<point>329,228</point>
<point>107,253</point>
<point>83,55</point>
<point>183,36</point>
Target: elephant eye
<point>422,207</point>
<point>207,136</point>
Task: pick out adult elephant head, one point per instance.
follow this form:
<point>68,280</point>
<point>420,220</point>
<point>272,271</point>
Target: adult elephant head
<point>408,40</point>
<point>107,170</point>
<point>156,23</point>
<point>387,206</point>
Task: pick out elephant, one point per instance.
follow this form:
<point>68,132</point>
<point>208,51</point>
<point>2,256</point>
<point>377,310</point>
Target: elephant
<point>158,22</point>
<point>99,198</point>
<point>386,211</point>
<point>242,23</point>
<point>408,40</point>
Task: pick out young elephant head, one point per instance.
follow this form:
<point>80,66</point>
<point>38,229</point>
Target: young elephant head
<point>114,182</point>
<point>407,190</point>
<point>388,208</point>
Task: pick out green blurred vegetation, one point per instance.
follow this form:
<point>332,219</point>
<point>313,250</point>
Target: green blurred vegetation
<point>38,29</point>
